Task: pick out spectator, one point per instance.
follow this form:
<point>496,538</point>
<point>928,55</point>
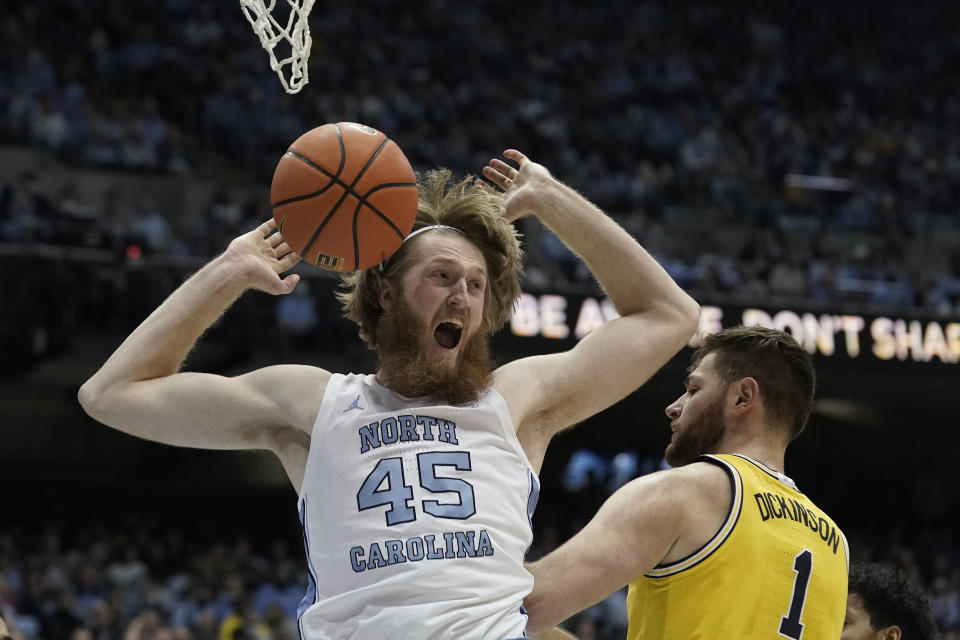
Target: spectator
<point>884,604</point>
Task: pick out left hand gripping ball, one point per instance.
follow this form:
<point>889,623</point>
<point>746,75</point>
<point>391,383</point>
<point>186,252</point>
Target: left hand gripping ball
<point>344,196</point>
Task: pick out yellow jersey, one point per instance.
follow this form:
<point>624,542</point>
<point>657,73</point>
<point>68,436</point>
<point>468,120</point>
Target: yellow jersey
<point>777,568</point>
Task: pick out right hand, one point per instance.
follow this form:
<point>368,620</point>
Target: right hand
<point>521,188</point>
<point>262,255</point>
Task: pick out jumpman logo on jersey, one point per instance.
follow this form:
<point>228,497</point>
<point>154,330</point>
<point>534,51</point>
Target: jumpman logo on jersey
<point>354,405</point>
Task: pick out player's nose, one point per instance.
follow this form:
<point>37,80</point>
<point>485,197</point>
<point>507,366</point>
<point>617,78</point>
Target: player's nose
<point>673,410</point>
<point>458,292</point>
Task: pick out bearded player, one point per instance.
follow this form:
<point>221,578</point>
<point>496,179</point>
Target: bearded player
<point>725,544</point>
<point>417,483</point>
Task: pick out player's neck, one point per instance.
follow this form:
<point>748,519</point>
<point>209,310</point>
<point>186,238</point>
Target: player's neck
<point>766,450</point>
<point>397,386</point>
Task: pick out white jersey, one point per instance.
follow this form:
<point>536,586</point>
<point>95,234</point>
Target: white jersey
<point>416,518</point>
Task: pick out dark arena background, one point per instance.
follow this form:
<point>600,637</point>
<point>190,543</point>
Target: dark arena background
<point>790,164</point>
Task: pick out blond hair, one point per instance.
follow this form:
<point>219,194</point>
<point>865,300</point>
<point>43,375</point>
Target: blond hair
<point>468,208</point>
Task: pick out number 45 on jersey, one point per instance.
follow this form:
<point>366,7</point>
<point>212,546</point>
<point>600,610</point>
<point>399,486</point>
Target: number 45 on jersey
<point>399,495</point>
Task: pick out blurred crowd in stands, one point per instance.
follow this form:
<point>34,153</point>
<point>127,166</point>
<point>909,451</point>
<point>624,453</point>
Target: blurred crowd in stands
<point>137,582</point>
<point>758,149</point>
<point>801,150</point>
<point>141,577</point>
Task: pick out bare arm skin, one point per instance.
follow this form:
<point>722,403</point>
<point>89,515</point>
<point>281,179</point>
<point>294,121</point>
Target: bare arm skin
<point>551,392</point>
<point>139,389</point>
<point>654,519</point>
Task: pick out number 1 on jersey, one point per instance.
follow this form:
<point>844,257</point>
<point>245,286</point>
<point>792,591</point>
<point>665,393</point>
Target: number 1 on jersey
<point>790,625</point>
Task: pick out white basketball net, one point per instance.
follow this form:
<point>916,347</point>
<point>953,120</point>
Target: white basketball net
<point>295,35</point>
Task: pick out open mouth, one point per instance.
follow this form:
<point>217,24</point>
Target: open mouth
<point>447,334</point>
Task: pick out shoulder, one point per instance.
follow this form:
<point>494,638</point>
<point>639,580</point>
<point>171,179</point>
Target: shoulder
<point>701,497</point>
<point>675,510</point>
<point>296,390</point>
<point>708,482</point>
<point>674,491</point>
<point>513,382</point>
<point>706,471</point>
<point>684,497</point>
<point>522,384</point>
<point>278,377</point>
<point>695,481</point>
<point>512,376</point>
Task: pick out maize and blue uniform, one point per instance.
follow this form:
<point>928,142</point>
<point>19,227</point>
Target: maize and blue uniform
<point>777,568</point>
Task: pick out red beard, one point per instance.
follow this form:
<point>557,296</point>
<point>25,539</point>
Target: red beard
<point>410,372</point>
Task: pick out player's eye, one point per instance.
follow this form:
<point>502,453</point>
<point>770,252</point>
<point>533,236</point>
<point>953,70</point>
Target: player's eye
<point>476,284</point>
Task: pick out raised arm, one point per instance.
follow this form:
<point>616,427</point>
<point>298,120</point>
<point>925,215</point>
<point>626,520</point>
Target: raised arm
<point>656,320</point>
<point>139,390</point>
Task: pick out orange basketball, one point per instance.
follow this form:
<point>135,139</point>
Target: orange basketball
<point>344,196</point>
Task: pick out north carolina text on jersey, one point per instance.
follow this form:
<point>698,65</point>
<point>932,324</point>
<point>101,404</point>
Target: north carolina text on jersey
<point>404,428</point>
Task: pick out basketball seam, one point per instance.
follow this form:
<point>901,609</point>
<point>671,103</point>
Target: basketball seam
<point>348,190</point>
<point>388,185</point>
<point>380,214</point>
<point>334,181</point>
<point>305,196</point>
<point>335,177</point>
<point>356,239</point>
<point>363,199</point>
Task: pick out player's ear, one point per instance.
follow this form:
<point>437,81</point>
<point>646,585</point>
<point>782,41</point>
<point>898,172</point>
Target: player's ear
<point>892,632</point>
<point>385,294</point>
<point>746,393</point>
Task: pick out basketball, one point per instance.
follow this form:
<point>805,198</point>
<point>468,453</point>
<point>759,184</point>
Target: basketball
<point>344,196</point>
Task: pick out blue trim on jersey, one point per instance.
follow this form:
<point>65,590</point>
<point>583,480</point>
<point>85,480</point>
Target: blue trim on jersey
<point>532,498</point>
<point>310,597</point>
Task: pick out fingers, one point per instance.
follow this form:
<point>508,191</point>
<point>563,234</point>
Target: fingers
<point>502,174</point>
<point>290,282</point>
<point>504,168</point>
<point>516,156</point>
<point>496,177</point>
<point>288,261</point>
<point>281,249</point>
<point>284,285</point>
<point>276,240</point>
<point>267,227</point>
